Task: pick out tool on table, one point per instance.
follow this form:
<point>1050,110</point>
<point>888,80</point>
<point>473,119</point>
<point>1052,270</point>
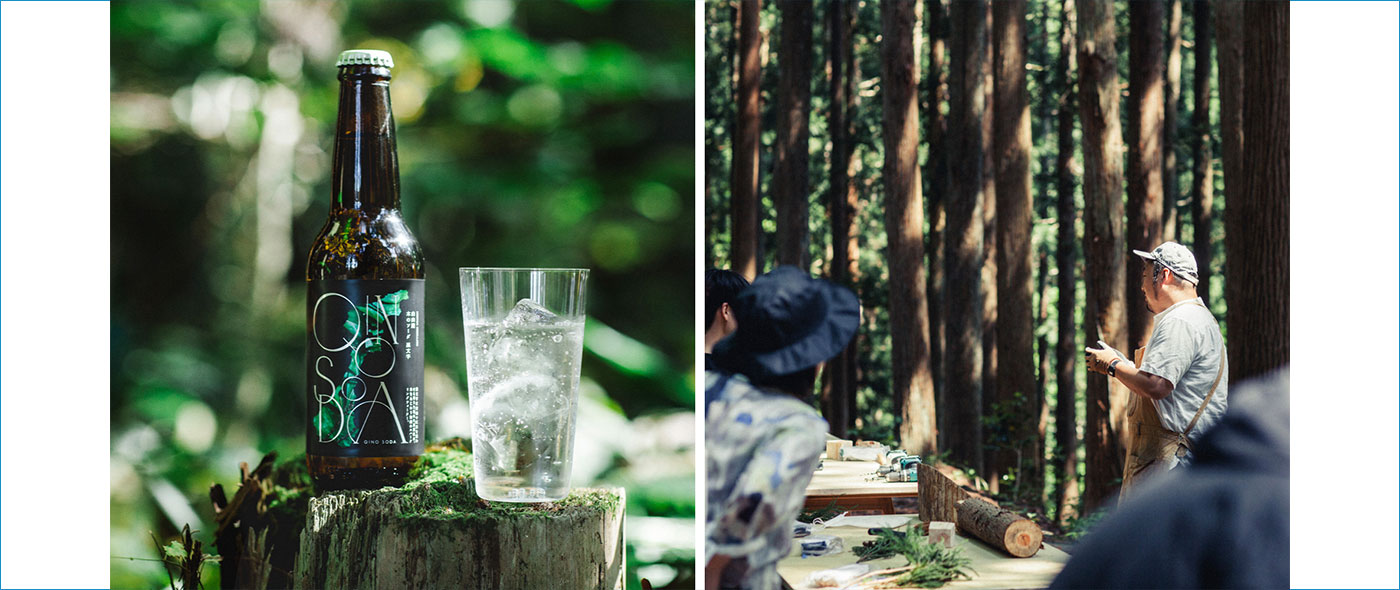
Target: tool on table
<point>889,462</point>
<point>817,545</point>
<point>904,469</point>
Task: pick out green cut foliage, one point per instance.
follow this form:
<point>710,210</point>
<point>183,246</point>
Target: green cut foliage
<point>933,564</point>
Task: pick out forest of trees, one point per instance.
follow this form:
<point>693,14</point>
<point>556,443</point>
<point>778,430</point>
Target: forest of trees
<point>979,172</point>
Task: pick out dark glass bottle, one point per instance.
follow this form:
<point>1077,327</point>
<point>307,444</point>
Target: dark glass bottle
<point>364,300</point>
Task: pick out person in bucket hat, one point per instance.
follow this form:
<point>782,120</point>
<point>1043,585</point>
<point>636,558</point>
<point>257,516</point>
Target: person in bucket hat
<point>763,439</point>
<point>788,324</point>
<point>1181,383</point>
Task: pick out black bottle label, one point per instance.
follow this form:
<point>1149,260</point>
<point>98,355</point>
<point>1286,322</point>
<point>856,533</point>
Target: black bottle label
<point>364,368</point>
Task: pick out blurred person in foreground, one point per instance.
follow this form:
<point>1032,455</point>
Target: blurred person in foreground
<point>1180,378</point>
<point>721,288</point>
<point>1222,522</point>
<point>763,439</point>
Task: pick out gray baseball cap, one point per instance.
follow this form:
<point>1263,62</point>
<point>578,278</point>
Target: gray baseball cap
<point>1176,257</point>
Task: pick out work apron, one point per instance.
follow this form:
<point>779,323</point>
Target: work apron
<point>1151,447</point>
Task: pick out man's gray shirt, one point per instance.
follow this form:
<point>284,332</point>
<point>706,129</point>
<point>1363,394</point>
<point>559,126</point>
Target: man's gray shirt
<point>1187,349</point>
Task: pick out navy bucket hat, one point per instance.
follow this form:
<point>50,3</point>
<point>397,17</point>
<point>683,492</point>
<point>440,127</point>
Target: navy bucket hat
<point>788,321</point>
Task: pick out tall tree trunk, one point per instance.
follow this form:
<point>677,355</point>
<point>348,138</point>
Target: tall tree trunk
<point>854,190</point>
<point>835,404</point>
<point>744,256</point>
<point>937,180</point>
<point>1169,114</point>
<point>1034,488</point>
<point>1066,352</point>
<point>1042,134</point>
<point>1202,179</point>
<point>1104,315</point>
<point>790,193</point>
<point>1145,87</point>
<point>995,462</point>
<point>1229,26</point>
<point>1016,384</point>
<point>1256,223</point>
<point>904,219</point>
<point>966,108</point>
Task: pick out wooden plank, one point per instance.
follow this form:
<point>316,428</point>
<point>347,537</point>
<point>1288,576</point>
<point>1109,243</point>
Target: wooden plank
<point>938,495</point>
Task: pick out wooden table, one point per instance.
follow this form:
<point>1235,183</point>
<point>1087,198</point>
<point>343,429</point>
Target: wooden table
<point>844,483</point>
<point>993,569</point>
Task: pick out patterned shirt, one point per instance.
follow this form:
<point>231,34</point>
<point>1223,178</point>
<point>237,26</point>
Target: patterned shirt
<point>761,448</point>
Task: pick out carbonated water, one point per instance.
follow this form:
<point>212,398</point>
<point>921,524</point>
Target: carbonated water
<point>523,375</point>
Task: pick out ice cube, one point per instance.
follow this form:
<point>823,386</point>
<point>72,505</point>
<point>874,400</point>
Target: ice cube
<point>522,396</point>
<point>514,353</point>
<point>529,311</point>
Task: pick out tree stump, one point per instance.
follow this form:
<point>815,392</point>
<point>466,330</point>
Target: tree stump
<point>435,532</point>
<point>999,527</point>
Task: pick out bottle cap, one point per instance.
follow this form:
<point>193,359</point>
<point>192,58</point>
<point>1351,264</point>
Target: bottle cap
<point>365,57</point>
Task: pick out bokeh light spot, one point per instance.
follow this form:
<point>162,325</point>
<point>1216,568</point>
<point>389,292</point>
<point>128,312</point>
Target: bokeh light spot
<point>615,246</point>
<point>195,426</point>
<point>656,201</point>
<point>535,106</point>
<point>489,13</point>
<point>569,58</point>
<point>440,44</point>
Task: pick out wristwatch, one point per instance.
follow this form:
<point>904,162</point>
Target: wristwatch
<point>1111,371</point>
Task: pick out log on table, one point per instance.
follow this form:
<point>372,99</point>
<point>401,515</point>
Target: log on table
<point>938,495</point>
<point>435,532</point>
<point>999,527</point>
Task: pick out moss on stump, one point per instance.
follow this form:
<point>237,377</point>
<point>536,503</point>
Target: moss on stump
<point>435,532</point>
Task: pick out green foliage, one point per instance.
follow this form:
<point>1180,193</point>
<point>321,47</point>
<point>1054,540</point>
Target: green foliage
<point>184,556</point>
<point>1078,527</point>
<point>828,512</point>
<point>933,565</point>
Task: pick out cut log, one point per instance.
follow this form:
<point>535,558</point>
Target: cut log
<point>999,527</point>
<point>435,532</point>
<point>939,494</point>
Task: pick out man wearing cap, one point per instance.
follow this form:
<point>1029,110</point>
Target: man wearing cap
<point>763,439</point>
<point>1181,383</point>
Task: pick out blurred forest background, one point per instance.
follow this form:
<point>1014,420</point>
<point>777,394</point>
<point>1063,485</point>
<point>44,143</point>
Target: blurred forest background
<point>979,172</point>
<point>544,133</point>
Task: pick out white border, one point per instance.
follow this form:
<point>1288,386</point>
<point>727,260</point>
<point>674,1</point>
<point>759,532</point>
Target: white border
<point>55,273</point>
<point>1345,206</point>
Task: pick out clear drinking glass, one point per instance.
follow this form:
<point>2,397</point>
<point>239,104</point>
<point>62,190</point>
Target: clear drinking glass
<point>524,336</point>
